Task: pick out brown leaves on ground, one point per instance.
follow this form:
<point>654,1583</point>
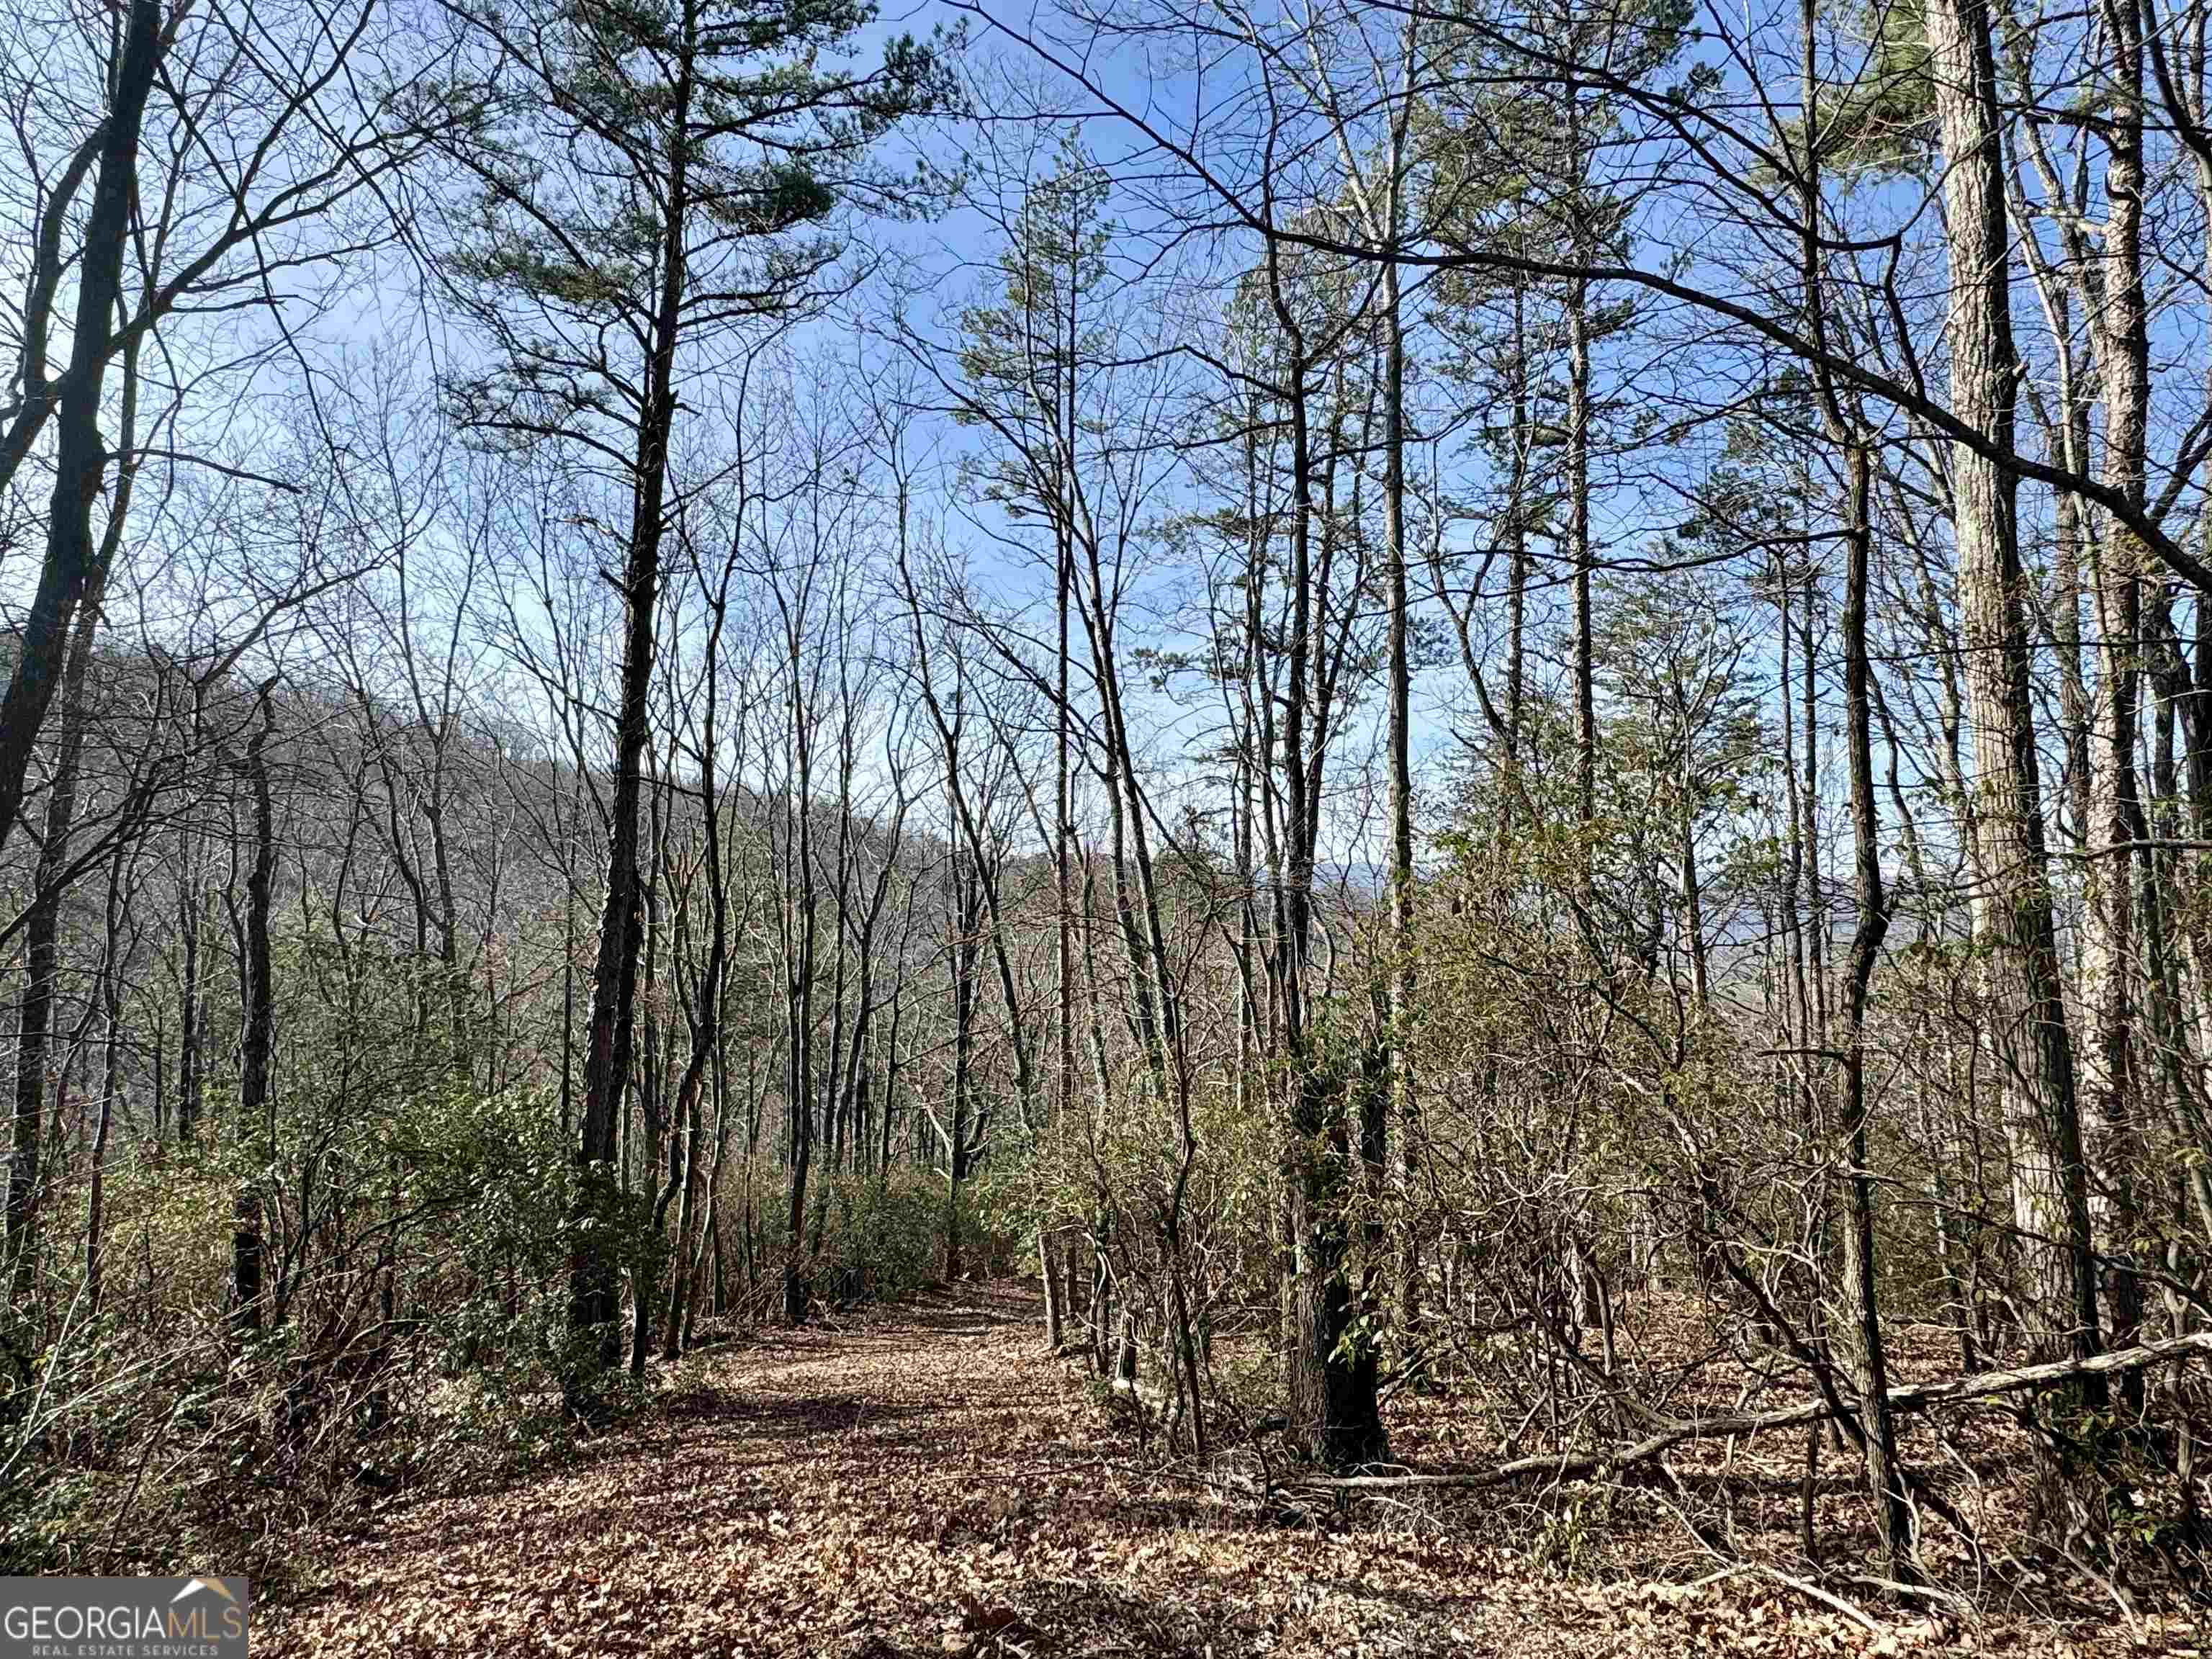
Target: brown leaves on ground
<point>925,1481</point>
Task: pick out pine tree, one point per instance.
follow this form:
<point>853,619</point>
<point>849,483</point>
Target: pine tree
<point>652,174</point>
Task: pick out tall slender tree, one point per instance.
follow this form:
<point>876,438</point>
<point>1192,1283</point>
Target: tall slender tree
<point>2013,915</point>
<point>649,177</point>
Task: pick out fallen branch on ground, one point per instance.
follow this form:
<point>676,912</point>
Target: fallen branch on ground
<point>1922,1396</point>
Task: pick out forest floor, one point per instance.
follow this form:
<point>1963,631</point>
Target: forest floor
<point>924,1480</point>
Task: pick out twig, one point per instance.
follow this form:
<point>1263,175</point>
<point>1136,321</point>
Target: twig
<point>1806,1587</point>
<point>2111,1588</point>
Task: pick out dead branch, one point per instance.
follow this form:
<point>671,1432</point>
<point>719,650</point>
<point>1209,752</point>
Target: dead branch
<point>1917,1397</point>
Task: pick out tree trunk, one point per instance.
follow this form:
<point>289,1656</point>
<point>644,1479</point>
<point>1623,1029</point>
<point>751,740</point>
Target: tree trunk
<point>1332,1409</point>
<point>42,953</point>
<point>1869,1364</point>
<point>593,1296</point>
<point>2120,326</point>
<point>1578,547</point>
<point>80,458</point>
<point>246,1247</point>
<point>2026,1012</point>
<point>1402,974</point>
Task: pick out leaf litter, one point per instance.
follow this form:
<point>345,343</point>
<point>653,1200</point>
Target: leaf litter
<point>925,1480</point>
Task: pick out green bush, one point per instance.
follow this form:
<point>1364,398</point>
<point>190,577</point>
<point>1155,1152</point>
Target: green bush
<point>412,1323</point>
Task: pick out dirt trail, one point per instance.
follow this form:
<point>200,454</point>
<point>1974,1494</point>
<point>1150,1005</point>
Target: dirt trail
<point>925,1480</point>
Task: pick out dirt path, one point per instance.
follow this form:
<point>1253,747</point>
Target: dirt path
<point>925,1481</point>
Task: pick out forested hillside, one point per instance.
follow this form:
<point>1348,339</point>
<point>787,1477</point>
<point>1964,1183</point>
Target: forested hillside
<point>1489,728</point>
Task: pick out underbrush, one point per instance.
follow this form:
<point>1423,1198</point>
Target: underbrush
<point>862,1238</point>
<point>1782,1505</point>
<point>403,1332</point>
<point>411,1338</point>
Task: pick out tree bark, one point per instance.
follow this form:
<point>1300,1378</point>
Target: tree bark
<point>247,1247</point>
<point>593,1296</point>
<point>2011,904</point>
<point>80,458</point>
<point>2119,322</point>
